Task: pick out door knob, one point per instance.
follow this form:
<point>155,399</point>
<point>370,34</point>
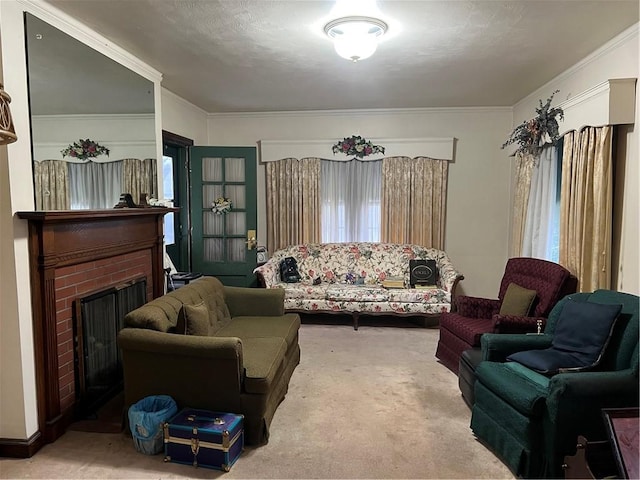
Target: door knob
<point>251,240</point>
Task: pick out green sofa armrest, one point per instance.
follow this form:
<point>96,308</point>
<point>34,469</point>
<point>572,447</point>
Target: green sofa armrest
<point>243,301</point>
<point>496,347</point>
<point>197,371</point>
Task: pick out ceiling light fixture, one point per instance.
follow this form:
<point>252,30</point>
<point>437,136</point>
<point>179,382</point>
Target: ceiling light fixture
<point>355,37</point>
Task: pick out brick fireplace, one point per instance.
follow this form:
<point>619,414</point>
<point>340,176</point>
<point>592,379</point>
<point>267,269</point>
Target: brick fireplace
<point>74,254</point>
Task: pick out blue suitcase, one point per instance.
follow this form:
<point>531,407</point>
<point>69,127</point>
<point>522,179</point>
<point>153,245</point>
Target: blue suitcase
<point>204,439</point>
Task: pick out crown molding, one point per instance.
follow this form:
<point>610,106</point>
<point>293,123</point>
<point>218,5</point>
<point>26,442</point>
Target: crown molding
<point>367,112</point>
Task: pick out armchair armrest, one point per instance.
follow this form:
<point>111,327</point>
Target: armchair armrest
<point>576,400</point>
<point>476,307</point>
<point>496,347</point>
<point>516,324</point>
<point>243,301</point>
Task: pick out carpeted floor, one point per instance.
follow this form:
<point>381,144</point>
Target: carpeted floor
<point>372,403</point>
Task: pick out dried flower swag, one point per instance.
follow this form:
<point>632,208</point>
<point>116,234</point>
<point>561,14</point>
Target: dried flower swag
<point>532,135</point>
<point>84,149</point>
<point>357,146</point>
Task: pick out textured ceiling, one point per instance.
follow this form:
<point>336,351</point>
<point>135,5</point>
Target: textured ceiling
<point>271,55</point>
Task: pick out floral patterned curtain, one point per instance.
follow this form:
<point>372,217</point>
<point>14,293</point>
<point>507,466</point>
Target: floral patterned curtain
<point>293,202</point>
<point>52,185</point>
<point>414,200</point>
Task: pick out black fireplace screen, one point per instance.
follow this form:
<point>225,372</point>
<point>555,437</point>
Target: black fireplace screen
<point>99,317</point>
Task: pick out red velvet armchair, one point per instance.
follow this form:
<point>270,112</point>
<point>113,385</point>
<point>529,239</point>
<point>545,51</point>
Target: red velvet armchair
<point>462,329</point>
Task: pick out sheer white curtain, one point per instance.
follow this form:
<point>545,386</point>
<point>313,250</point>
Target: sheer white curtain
<point>540,238</point>
<point>350,196</point>
<point>94,185</point>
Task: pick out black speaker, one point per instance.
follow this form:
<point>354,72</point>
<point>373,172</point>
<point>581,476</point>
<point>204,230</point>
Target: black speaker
<point>422,272</point>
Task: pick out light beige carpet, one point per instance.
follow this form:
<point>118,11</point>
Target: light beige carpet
<point>372,403</point>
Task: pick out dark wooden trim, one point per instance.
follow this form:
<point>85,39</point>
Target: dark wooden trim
<point>14,448</point>
<point>175,139</point>
<point>70,237</point>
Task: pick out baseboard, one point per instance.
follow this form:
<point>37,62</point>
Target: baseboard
<point>15,448</point>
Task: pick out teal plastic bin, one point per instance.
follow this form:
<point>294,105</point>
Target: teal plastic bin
<point>146,418</point>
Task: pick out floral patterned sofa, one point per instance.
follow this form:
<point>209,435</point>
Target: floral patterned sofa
<point>337,265</point>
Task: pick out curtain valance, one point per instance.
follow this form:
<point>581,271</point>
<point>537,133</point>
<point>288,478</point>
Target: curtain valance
<point>436,148</point>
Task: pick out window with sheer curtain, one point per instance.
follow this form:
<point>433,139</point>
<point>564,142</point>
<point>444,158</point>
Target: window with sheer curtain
<point>350,199</point>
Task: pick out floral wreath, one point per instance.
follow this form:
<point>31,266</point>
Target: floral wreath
<point>357,146</point>
<point>221,206</point>
<point>532,135</point>
<point>84,149</point>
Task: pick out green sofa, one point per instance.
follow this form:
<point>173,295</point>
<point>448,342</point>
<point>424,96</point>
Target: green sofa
<point>241,363</point>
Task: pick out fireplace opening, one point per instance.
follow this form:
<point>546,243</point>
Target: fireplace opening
<point>99,317</point>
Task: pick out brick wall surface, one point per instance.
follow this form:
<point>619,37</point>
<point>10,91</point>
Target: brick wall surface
<point>77,281</point>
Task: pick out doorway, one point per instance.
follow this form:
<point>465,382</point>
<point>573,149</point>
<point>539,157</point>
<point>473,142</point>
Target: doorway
<point>199,239</point>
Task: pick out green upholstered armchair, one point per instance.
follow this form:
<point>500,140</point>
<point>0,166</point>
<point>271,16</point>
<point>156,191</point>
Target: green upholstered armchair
<point>532,420</point>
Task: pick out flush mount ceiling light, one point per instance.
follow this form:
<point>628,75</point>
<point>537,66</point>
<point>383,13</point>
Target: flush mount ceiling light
<point>355,37</point>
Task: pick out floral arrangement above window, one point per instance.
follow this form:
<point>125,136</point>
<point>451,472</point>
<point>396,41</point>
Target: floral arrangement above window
<point>84,149</point>
<point>357,146</point>
<point>221,206</point>
<point>533,134</point>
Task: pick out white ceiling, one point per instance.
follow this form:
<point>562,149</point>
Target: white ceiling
<point>272,55</point>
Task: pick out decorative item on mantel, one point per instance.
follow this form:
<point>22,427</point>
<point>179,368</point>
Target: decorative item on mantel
<point>221,206</point>
<point>532,135</point>
<point>84,149</point>
<point>357,146</point>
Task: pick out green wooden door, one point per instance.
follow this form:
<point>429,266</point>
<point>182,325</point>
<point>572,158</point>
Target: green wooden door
<point>221,243</point>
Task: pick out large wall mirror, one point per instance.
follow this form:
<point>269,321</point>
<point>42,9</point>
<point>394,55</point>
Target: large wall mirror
<point>82,104</point>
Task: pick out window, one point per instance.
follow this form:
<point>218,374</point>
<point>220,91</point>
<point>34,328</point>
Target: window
<point>167,188</point>
<point>350,196</point>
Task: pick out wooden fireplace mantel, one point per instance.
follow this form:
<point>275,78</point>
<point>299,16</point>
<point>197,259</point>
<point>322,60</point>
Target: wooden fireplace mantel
<point>64,238</point>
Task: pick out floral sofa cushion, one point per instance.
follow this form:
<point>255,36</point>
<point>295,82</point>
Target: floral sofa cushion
<point>337,264</point>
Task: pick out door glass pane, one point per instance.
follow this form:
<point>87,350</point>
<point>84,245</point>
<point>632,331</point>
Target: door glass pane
<point>236,223</point>
<point>236,194</point>
<point>212,223</point>
<point>236,249</point>
<point>209,194</point>
<point>211,169</point>
<point>234,169</point>
<point>213,249</point>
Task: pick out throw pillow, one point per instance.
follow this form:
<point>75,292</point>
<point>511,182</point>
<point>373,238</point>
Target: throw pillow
<point>582,334</point>
<point>194,320</point>
<point>517,300</point>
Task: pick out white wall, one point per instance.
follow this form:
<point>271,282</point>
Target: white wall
<point>616,59</point>
<point>126,136</point>
<point>184,118</point>
<point>476,232</point>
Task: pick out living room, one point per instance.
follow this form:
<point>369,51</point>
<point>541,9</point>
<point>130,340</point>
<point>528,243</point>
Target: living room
<point>480,183</point>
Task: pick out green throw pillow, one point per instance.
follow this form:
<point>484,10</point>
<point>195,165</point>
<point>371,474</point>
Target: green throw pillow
<point>194,320</point>
<point>517,301</point>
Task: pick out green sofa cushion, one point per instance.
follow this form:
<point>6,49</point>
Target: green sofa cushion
<point>517,301</point>
<point>523,388</point>
<point>196,320</point>
<point>263,358</point>
<point>285,326</point>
